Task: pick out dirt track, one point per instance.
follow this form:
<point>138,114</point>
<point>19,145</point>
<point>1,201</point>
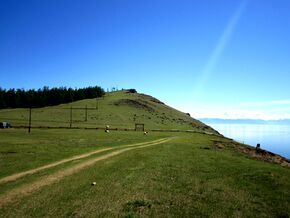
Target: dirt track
<point>32,171</point>
<point>28,189</point>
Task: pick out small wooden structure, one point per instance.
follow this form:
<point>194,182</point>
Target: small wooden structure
<point>139,127</point>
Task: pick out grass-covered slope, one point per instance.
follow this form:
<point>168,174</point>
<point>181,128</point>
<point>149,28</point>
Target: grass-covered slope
<point>121,109</point>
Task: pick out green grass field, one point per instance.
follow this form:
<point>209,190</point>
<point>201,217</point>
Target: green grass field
<point>184,177</point>
<point>162,174</point>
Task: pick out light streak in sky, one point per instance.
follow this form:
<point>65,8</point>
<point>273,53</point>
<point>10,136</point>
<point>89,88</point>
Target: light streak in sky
<point>219,48</point>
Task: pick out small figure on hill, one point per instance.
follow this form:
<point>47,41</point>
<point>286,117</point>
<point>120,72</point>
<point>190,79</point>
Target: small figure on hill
<point>258,147</point>
<point>5,125</point>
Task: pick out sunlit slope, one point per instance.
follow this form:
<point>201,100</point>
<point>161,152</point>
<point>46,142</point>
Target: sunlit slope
<point>120,109</point>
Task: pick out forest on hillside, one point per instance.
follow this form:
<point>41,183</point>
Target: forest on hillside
<point>20,98</point>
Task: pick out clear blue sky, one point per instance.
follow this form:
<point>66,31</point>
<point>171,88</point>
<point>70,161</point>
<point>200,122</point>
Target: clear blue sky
<point>212,58</point>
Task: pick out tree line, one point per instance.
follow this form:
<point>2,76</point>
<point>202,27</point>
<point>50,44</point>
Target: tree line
<point>20,98</point>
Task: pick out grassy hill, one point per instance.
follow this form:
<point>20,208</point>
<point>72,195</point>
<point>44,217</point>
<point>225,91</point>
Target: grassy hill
<point>50,172</point>
<point>120,109</point>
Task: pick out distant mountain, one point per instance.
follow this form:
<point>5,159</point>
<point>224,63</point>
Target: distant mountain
<point>244,121</point>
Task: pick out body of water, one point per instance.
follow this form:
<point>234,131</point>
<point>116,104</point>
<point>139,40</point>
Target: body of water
<point>274,138</point>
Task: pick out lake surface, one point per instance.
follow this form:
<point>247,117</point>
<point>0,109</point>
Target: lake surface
<point>274,138</point>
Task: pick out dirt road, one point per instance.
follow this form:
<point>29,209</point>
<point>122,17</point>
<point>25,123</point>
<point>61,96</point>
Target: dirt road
<point>32,171</point>
<point>25,190</point>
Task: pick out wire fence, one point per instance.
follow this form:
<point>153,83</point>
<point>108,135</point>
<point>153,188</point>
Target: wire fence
<point>51,117</point>
<point>73,118</point>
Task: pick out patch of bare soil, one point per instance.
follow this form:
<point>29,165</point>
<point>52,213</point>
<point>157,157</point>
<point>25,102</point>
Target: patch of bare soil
<point>139,104</point>
<point>253,152</point>
<point>19,192</point>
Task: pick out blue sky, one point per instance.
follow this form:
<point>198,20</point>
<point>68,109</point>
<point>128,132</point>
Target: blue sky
<point>211,58</point>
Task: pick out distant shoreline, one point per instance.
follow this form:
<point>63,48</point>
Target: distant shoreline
<point>245,121</point>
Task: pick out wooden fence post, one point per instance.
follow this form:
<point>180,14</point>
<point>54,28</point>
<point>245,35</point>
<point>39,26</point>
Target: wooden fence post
<point>29,120</point>
<point>86,113</point>
<point>70,123</point>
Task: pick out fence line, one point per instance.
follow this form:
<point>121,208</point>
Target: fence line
<point>111,129</point>
<point>67,119</point>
